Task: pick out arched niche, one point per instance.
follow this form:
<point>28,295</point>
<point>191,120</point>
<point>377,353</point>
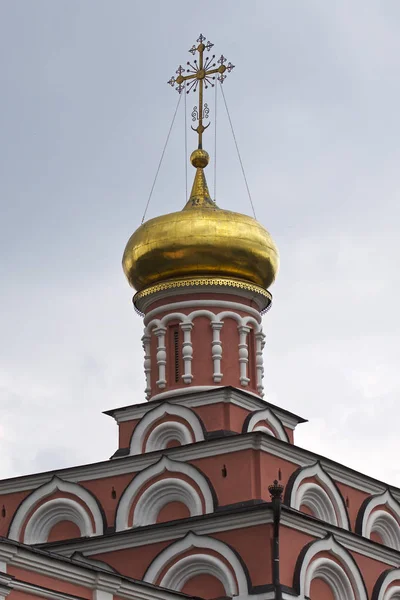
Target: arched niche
<point>178,424</point>
<point>150,491</point>
<point>312,487</point>
<point>39,513</point>
<point>328,561</point>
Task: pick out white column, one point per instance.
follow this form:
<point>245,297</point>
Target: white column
<point>161,356</point>
<point>260,342</point>
<point>243,354</point>
<point>187,351</point>
<point>146,339</point>
<point>216,349</point>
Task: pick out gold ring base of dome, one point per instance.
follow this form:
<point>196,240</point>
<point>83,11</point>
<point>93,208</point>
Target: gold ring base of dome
<point>203,282</point>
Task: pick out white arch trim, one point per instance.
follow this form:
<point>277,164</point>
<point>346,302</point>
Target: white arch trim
<point>334,575</point>
<point>154,495</point>
<point>199,564</point>
<point>317,500</point>
<point>167,432</point>
<point>52,512</point>
<point>166,409</point>
<point>264,429</point>
<point>271,419</point>
<point>226,304</point>
<point>386,526</point>
<point>370,515</point>
<point>217,569</point>
<point>217,317</point>
<point>325,500</point>
<point>162,493</point>
<point>387,590</point>
<point>46,490</point>
<point>344,578</point>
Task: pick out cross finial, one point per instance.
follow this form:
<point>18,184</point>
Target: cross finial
<point>202,72</point>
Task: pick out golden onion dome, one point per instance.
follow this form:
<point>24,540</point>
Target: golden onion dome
<point>200,240</point>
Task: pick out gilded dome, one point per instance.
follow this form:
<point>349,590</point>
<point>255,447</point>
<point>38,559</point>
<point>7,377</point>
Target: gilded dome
<point>200,240</point>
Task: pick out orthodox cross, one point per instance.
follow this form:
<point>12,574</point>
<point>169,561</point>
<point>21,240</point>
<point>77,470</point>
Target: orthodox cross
<point>202,73</point>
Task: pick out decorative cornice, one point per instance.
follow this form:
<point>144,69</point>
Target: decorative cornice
<point>206,282</point>
<point>204,396</point>
<point>214,447</point>
<point>233,519</point>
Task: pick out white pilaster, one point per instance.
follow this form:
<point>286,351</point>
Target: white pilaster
<point>260,342</point>
<point>243,354</point>
<point>187,351</point>
<point>216,350</point>
<point>146,339</point>
<point>161,356</point>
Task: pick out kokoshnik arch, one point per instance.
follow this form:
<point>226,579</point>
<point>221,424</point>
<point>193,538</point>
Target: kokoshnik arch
<point>207,494</point>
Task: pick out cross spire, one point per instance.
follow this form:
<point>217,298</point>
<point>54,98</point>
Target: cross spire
<point>202,72</point>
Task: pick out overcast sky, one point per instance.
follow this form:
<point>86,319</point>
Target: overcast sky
<point>84,112</point>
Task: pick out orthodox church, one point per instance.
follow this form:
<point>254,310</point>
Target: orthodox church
<point>207,494</point>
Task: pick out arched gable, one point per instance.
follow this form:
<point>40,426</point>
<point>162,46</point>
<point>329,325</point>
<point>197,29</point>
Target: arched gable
<point>380,514</point>
<point>172,568</point>
<point>339,570</point>
<point>190,488</point>
<point>387,586</point>
<point>166,431</point>
<point>254,419</point>
<point>313,487</point>
<point>38,517</point>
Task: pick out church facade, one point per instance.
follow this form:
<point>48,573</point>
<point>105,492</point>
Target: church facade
<point>207,494</point>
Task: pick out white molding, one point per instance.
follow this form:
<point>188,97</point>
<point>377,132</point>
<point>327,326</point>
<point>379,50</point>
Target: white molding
<point>271,419</point>
<point>154,495</point>
<point>145,302</point>
<point>387,590</point>
<point>202,396</point>
<point>189,542</point>
<point>317,500</point>
<point>54,485</point>
<point>154,415</point>
<point>199,564</point>
<point>328,504</point>
<point>32,589</point>
<point>52,512</point>
<point>333,575</point>
<point>161,493</point>
<point>133,538</point>
<point>350,588</point>
<point>218,522</point>
<point>194,389</point>
<point>264,429</point>
<point>386,526</point>
<point>76,573</point>
<point>214,447</point>
<point>204,304</point>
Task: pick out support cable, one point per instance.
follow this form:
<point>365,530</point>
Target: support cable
<point>215,146</point>
<point>186,153</point>
<point>161,159</point>
<point>237,150</point>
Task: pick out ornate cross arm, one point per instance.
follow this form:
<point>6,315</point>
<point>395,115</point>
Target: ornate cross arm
<point>202,73</point>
